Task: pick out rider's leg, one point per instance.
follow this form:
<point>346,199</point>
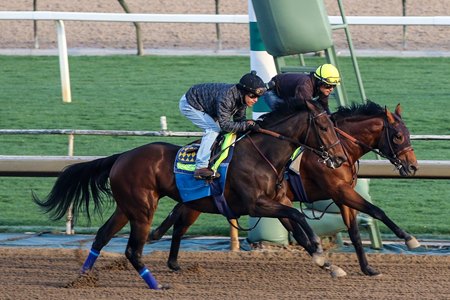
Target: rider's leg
<point>211,131</point>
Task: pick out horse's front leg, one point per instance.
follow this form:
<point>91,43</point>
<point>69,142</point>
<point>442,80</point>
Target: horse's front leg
<point>304,236</point>
<point>157,234</point>
<point>349,197</point>
<point>265,207</point>
<point>350,219</point>
<point>183,219</point>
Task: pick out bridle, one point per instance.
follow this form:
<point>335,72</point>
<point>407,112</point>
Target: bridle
<point>325,156</point>
<point>321,151</point>
<point>393,157</point>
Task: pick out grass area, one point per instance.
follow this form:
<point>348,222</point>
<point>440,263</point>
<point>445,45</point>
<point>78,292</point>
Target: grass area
<point>131,93</point>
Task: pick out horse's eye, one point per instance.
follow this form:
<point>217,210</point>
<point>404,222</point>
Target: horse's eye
<point>398,138</point>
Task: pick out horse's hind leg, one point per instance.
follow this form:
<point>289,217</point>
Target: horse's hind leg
<point>349,216</point>
<point>103,236</point>
<point>140,228</point>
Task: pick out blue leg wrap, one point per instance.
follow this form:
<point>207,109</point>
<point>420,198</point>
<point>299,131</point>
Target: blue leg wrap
<point>90,260</point>
<point>148,278</point>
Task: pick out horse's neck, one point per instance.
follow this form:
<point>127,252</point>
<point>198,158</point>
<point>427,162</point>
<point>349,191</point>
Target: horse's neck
<point>278,151</point>
<point>367,131</point>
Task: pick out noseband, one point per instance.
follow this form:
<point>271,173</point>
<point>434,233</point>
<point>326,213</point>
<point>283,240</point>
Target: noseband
<point>394,157</point>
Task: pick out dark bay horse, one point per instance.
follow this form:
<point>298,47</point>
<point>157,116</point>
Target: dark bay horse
<point>140,177</point>
<point>363,128</point>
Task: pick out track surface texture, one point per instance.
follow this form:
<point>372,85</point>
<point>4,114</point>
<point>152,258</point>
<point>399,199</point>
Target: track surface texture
<point>260,274</point>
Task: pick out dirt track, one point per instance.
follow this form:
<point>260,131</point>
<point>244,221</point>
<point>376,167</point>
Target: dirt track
<point>286,274</point>
<point>19,34</point>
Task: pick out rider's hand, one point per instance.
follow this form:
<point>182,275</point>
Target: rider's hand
<point>253,126</point>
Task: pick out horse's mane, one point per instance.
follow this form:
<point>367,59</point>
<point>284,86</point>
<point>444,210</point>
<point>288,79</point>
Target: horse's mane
<point>368,109</point>
<point>283,109</point>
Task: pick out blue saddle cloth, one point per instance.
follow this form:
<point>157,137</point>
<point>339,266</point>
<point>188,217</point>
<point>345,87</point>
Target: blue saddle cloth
<point>192,189</point>
<point>294,179</point>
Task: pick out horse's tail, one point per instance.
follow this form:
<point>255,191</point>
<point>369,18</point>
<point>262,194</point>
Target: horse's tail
<point>77,185</point>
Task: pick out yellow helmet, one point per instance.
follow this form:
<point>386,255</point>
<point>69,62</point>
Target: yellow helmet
<point>328,74</point>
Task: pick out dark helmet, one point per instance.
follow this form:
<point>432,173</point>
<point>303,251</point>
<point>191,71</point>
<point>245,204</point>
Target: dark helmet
<point>252,84</point>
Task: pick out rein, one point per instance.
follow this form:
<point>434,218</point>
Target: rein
<point>358,142</point>
<point>322,153</point>
<point>279,175</point>
<point>323,150</point>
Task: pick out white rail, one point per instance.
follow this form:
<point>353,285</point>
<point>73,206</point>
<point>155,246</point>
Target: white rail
<point>29,165</point>
<point>209,18</point>
<point>59,17</point>
<point>50,166</point>
<point>163,132</point>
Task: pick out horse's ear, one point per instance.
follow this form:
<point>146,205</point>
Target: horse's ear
<point>310,105</point>
<point>389,116</point>
<point>398,110</point>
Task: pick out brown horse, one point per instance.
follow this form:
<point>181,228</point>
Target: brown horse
<point>368,126</point>
<point>140,177</point>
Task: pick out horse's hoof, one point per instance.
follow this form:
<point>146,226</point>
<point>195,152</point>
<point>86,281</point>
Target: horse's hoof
<point>163,286</point>
<point>318,259</point>
<point>369,271</point>
<point>174,266</point>
<point>336,272</point>
<point>412,243</point>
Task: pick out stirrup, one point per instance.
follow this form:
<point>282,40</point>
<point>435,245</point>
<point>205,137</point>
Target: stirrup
<point>211,176</point>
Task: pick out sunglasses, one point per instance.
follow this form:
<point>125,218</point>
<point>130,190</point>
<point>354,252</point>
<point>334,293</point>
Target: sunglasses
<point>253,96</point>
<point>328,86</point>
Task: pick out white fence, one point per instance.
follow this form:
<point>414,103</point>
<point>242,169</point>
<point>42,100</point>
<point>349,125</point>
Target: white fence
<point>59,17</point>
<point>210,18</point>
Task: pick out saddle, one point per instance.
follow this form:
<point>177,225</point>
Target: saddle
<point>184,167</point>
<point>186,156</point>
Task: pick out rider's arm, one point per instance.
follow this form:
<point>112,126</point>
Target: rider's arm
<point>230,115</point>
